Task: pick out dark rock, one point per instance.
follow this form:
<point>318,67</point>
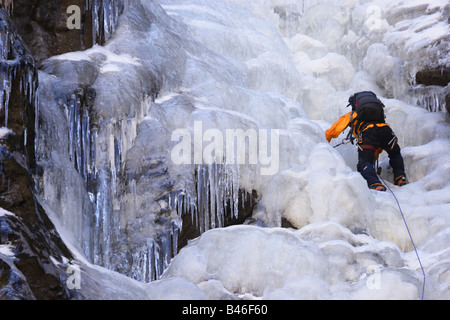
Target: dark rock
<point>435,77</point>
<point>19,83</point>
<point>285,223</point>
<point>35,269</point>
<point>39,253</point>
<point>43,26</point>
<point>13,284</point>
<point>447,102</point>
<point>77,73</point>
<point>190,228</point>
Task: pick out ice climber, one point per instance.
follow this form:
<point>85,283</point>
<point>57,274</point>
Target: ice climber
<point>373,135</point>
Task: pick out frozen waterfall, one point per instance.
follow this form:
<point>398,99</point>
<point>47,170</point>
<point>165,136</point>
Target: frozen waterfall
<point>194,110</point>
<point>18,78</point>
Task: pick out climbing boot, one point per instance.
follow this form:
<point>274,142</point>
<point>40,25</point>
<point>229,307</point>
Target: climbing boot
<point>400,181</point>
<point>377,187</point>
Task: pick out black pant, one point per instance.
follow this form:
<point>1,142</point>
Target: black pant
<point>372,139</point>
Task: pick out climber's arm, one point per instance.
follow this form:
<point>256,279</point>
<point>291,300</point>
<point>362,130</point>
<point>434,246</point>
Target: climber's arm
<point>338,127</point>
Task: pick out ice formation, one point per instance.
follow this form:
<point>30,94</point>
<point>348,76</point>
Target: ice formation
<point>18,71</point>
<point>105,17</point>
<point>117,195</point>
<point>8,5</point>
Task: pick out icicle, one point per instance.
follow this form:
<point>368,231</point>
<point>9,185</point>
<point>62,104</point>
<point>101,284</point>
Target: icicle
<point>152,261</point>
<point>218,192</point>
<point>431,98</point>
<point>77,133</point>
<point>4,44</point>
<point>18,71</point>
<point>220,210</point>
<point>141,269</point>
<point>194,214</point>
<point>235,177</point>
<point>176,227</point>
<point>166,248</point>
<point>36,119</point>
<point>103,220</point>
<point>146,265</point>
<point>206,200</point>
<point>8,5</point>
<point>181,204</point>
<point>85,142</point>
<point>157,261</point>
<point>95,22</point>
<point>199,199</point>
<point>71,111</point>
<point>97,227</point>
<point>6,96</point>
<point>105,17</point>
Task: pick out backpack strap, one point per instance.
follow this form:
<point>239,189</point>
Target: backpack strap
<point>351,135</point>
<point>371,125</point>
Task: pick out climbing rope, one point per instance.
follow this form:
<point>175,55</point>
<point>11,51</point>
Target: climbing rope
<point>409,233</point>
<point>346,141</point>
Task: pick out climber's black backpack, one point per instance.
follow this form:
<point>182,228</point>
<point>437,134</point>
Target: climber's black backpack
<point>368,107</point>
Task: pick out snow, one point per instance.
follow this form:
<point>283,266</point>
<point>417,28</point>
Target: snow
<point>244,65</point>
<point>281,264</point>
<point>4,212</point>
<point>6,250</point>
<point>4,132</point>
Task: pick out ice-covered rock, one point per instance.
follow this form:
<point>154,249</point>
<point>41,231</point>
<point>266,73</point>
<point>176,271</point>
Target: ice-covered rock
<point>305,264</point>
<point>193,107</point>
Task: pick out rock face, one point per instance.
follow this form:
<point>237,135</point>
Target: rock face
<point>43,24</point>
<point>447,102</point>
<point>32,255</point>
<point>247,203</point>
<point>18,90</point>
<point>35,267</point>
<point>436,77</point>
<point>73,82</point>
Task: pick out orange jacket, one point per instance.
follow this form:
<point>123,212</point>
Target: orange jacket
<point>339,126</point>
<point>344,122</point>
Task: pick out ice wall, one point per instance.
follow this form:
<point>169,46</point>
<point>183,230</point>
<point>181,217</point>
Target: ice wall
<point>19,98</point>
<point>105,17</point>
<point>281,264</point>
<point>31,251</point>
<point>432,98</point>
<point>336,53</point>
<point>238,65</point>
<point>108,139</point>
<point>388,40</point>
